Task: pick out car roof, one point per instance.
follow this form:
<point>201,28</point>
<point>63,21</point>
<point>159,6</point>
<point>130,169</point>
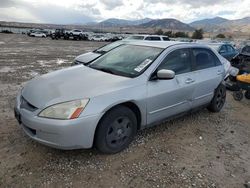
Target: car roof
<point>165,44</point>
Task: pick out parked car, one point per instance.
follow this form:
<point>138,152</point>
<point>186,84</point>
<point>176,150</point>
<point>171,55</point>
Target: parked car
<point>149,37</point>
<point>226,50</point>
<point>88,57</point>
<point>241,61</point>
<point>78,35</point>
<point>60,33</point>
<point>98,38</point>
<point>75,32</point>
<point>131,87</point>
<point>37,34</point>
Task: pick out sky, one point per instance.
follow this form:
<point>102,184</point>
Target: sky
<point>85,11</point>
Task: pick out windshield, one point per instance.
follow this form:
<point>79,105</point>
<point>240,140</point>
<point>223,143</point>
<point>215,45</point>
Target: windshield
<point>108,47</point>
<point>127,60</point>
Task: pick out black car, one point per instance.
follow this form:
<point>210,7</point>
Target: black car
<point>242,60</point>
<point>226,50</point>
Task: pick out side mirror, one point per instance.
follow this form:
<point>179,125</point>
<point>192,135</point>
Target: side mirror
<point>165,74</point>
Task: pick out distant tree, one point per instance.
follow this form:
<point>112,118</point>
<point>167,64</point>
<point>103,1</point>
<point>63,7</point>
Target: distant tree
<point>181,34</point>
<point>222,36</point>
<point>159,32</point>
<point>198,34</point>
<point>169,33</point>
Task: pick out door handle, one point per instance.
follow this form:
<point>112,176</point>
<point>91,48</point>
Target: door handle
<point>189,81</point>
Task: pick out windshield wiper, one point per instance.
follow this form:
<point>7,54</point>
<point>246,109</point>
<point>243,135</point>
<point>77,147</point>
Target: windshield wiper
<point>107,70</point>
<point>100,51</point>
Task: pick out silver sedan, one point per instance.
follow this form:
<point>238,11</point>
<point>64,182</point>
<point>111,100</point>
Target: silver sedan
<point>129,88</point>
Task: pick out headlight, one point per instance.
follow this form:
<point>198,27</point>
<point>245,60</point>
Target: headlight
<point>66,110</point>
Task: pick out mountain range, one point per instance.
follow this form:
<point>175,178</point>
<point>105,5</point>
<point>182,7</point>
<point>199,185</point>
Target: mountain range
<point>216,25</point>
<point>219,24</point>
<point>169,23</point>
<point>113,22</point>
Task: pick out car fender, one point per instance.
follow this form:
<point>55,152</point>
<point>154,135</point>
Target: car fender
<point>103,103</point>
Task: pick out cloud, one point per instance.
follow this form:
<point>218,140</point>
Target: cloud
<point>82,11</point>
<point>32,11</point>
<point>196,4</point>
<point>60,15</point>
<point>6,3</point>
<point>188,11</point>
<point>17,14</point>
<point>111,4</point>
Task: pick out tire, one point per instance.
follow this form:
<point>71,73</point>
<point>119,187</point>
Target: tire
<point>116,130</point>
<point>238,95</point>
<point>247,94</point>
<point>218,100</point>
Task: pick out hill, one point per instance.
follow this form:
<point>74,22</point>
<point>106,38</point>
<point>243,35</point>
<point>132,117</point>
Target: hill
<point>168,23</point>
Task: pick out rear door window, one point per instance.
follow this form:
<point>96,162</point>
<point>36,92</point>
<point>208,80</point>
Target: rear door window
<point>204,58</point>
<point>178,61</point>
<point>153,38</point>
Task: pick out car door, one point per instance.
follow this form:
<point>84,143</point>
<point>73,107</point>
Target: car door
<point>208,75</point>
<point>166,98</point>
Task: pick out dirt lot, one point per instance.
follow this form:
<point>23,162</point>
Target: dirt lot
<point>198,150</point>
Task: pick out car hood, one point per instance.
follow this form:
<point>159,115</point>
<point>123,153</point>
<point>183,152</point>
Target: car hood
<point>87,57</point>
<point>72,83</point>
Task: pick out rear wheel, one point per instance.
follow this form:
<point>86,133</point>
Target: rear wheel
<point>218,100</point>
<point>116,130</point>
<point>247,94</point>
<point>238,95</point>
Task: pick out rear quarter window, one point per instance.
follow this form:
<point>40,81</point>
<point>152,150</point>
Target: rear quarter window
<point>205,58</point>
<point>165,38</point>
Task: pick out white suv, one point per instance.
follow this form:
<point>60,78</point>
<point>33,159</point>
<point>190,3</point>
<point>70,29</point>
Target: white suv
<point>149,37</point>
<point>76,32</point>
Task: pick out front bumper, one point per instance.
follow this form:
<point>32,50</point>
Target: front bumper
<point>61,134</point>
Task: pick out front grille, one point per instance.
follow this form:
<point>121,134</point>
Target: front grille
<point>26,105</point>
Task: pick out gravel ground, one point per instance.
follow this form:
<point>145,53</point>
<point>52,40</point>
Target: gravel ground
<point>199,150</point>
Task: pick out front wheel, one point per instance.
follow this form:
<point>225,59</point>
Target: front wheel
<point>116,130</point>
<point>218,100</point>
